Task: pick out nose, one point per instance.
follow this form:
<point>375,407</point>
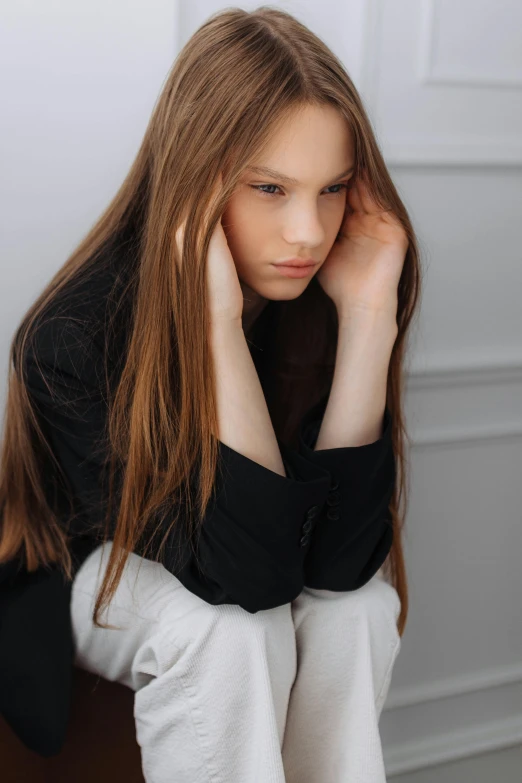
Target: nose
<point>303,227</point>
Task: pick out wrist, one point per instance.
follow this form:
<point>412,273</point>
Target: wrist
<point>225,325</point>
<point>374,321</point>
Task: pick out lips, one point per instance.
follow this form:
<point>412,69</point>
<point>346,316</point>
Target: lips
<point>297,263</point>
<point>298,270</point>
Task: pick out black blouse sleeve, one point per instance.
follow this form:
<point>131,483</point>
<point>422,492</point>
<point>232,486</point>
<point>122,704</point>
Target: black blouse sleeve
<point>354,533</point>
<point>254,538</point>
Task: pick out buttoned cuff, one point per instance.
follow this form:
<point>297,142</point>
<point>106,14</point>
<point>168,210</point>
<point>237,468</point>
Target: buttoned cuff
<point>256,531</point>
<point>354,534</point>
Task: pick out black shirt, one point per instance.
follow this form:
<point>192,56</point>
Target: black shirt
<point>326,524</point>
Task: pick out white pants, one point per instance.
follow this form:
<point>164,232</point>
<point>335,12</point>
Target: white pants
<point>286,695</point>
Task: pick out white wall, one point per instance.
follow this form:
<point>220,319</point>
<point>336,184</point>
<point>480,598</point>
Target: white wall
<point>442,81</point>
<point>79,81</point>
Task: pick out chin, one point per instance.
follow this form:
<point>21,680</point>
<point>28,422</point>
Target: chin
<point>282,290</point>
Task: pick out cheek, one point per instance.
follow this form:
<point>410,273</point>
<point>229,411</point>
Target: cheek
<point>246,228</point>
<point>335,219</point>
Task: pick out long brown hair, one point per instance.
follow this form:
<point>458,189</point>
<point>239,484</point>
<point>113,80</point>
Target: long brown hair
<point>237,78</point>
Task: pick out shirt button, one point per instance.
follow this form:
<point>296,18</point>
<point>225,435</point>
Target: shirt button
<point>312,512</point>
<point>333,498</point>
<point>332,513</point>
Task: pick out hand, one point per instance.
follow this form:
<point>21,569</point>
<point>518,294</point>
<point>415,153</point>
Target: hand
<point>362,270</point>
<point>224,290</point>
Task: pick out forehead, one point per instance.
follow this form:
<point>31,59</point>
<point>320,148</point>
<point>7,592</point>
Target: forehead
<point>313,142</point>
<point>265,171</point>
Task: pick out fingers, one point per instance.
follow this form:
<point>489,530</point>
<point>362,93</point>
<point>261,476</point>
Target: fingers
<point>356,200</point>
<point>360,197</point>
<point>367,201</point>
<point>179,239</point>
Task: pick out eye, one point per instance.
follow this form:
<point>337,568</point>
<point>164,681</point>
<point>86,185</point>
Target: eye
<point>340,185</point>
<point>258,188</point>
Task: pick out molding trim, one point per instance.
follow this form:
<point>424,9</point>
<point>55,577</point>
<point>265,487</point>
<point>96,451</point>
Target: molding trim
<point>455,436</point>
<point>371,61</point>
<point>441,749</point>
<point>473,682</point>
<point>442,383</point>
<point>450,374</point>
<point>403,150</point>
<point>427,69</point>
<point>449,377</point>
<point>488,152</point>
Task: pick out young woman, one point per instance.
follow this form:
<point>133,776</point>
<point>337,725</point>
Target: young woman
<point>206,441</point>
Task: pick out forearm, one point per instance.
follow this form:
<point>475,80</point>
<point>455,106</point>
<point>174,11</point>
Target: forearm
<point>355,410</point>
<point>244,420</point>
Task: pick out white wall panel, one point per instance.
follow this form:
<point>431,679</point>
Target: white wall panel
<point>444,80</point>
<point>443,87</point>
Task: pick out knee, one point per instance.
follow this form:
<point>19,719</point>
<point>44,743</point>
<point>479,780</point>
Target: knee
<point>375,607</point>
<point>378,605</point>
<point>219,628</point>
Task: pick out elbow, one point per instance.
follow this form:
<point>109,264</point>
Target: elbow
<point>353,567</point>
<point>270,596</point>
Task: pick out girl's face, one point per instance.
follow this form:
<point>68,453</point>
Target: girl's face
<point>295,210</point>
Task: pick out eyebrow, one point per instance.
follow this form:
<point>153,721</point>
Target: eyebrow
<point>289,180</point>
